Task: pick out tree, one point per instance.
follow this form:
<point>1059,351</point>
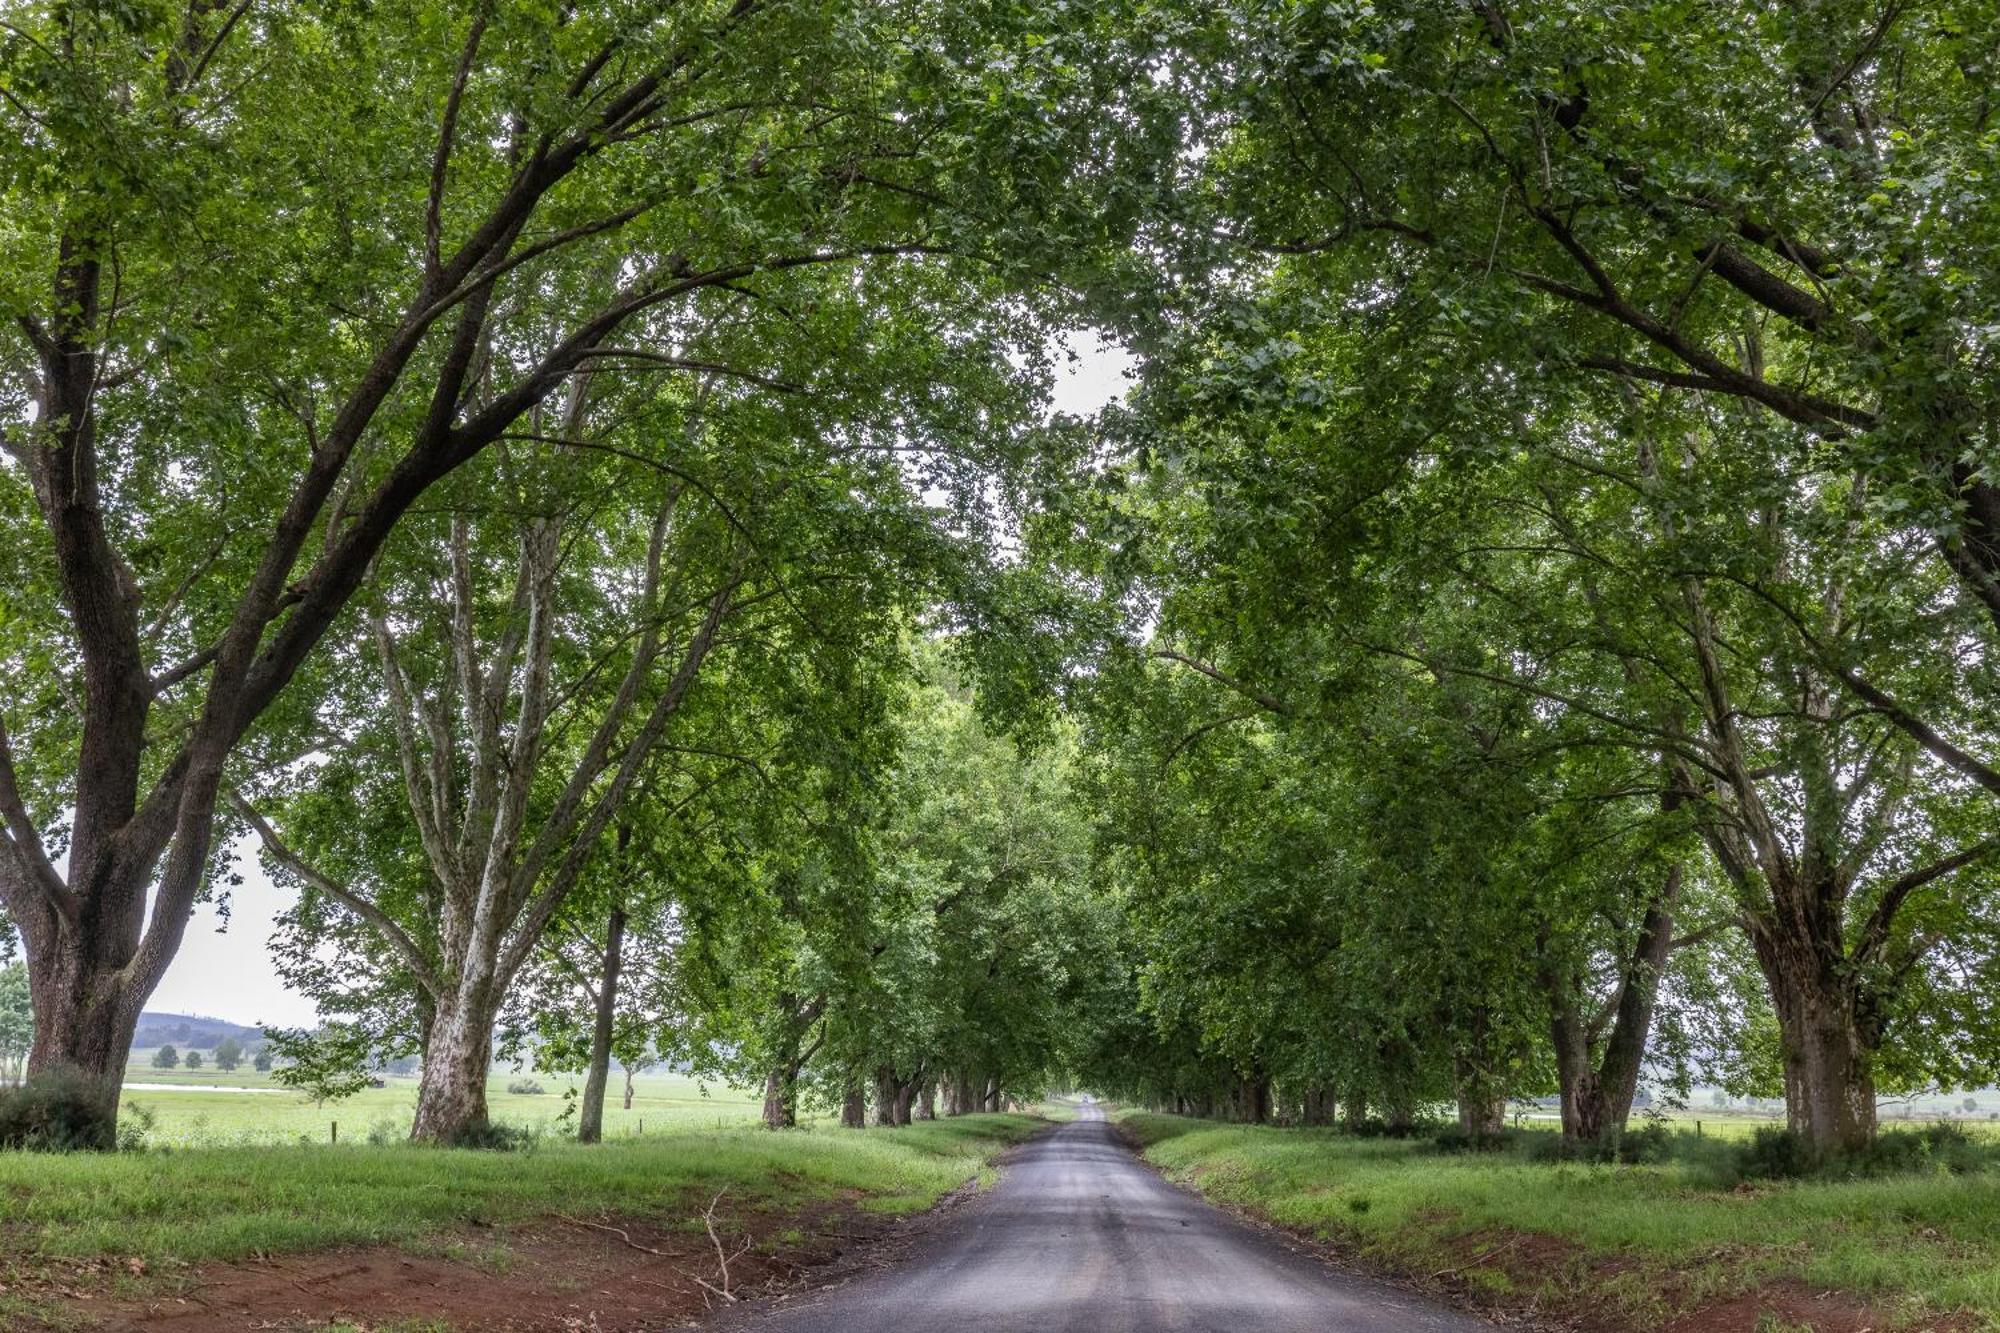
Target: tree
<point>228,1054</point>
<point>261,1061</point>
<point>166,1057</point>
<point>482,207</point>
<point>192,1060</point>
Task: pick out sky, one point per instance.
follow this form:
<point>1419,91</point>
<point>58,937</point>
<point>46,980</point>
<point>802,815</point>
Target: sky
<point>226,972</point>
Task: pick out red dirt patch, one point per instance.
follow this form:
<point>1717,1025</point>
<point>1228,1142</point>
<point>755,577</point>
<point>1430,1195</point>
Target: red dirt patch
<point>554,1275</point>
<point>1793,1305</point>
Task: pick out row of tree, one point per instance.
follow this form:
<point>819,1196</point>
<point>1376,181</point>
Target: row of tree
<point>504,483</point>
<point>1573,553</point>
<point>1533,625</point>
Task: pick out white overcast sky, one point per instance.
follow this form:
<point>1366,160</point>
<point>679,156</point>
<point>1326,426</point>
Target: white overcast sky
<point>227,973</point>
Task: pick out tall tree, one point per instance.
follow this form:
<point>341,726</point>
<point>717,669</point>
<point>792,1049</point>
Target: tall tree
<point>218,411</point>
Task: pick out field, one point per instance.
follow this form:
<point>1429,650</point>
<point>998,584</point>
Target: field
<point>188,1116</point>
<point>1617,1246</point>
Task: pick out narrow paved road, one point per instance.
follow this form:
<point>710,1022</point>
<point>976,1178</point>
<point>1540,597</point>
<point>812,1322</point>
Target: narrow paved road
<point>1080,1235</point>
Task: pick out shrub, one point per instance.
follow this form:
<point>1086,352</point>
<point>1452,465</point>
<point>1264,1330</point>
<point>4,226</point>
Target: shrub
<point>525,1087</point>
<point>496,1137</point>
<point>1456,1140</point>
<point>1781,1154</point>
<point>61,1111</point>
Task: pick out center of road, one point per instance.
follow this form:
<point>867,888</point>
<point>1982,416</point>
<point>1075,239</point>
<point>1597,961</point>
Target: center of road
<point>1078,1234</point>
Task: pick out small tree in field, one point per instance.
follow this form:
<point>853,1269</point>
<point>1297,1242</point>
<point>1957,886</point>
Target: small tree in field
<point>166,1058</point>
<point>192,1060</point>
<point>261,1062</point>
<point>228,1053</point>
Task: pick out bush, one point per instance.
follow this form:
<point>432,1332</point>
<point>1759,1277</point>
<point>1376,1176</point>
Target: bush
<point>1651,1142</point>
<point>496,1137</point>
<point>526,1087</point>
<point>64,1111</point>
<point>1781,1154</point>
<point>1456,1140</point>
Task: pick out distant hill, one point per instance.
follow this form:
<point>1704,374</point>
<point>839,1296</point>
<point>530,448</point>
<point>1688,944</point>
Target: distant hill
<point>185,1030</point>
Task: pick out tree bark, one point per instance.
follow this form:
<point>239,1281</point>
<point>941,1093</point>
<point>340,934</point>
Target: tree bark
<point>854,1105</point>
<point>885,1095</point>
<point>590,1123</point>
<point>451,1096</point>
<point>927,1101</point>
<point>906,1092</point>
<point>1829,1050</point>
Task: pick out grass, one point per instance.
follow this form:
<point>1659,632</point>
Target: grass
<point>240,1202</point>
<point>188,1116</point>
<point>1645,1241</point>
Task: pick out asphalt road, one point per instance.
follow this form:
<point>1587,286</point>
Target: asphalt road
<point>1078,1234</point>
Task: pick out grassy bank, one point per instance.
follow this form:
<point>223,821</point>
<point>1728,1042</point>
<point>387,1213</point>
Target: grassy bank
<point>1618,1246</point>
<point>232,1203</point>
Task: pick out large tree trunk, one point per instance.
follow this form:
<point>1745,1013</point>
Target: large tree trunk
<point>590,1121</point>
<point>451,1096</point>
<point>1829,1052</point>
<point>84,1019</point>
<point>906,1092</point>
<point>854,1105</point>
<point>885,1095</point>
<point>927,1101</point>
<point>781,1098</point>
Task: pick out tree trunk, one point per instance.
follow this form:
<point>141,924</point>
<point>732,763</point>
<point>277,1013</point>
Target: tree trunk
<point>1829,1054</point>
<point>1597,1093</point>
<point>927,1101</point>
<point>84,1020</point>
<point>1481,1116</point>
<point>906,1092</point>
<point>991,1101</point>
<point>1356,1113</point>
<point>885,1095</point>
<point>854,1106</point>
<point>451,1097</point>
<point>590,1121</point>
<point>781,1098</point>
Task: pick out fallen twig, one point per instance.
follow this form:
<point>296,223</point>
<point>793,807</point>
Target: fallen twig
<point>722,1257</point>
<point>619,1232</point>
<point>1480,1259</point>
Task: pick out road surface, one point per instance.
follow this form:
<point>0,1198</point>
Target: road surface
<point>1078,1234</point>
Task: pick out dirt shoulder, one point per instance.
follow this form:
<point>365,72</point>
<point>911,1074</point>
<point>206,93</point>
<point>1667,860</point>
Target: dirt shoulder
<point>558,1273</point>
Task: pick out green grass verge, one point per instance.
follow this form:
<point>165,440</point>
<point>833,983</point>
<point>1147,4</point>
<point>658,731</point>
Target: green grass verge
<point>1645,1241</point>
<point>232,1203</point>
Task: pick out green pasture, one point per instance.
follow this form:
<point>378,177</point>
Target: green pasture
<point>200,1111</point>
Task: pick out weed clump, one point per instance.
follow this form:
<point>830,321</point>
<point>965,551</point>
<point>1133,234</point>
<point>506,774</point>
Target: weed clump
<point>60,1111</point>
